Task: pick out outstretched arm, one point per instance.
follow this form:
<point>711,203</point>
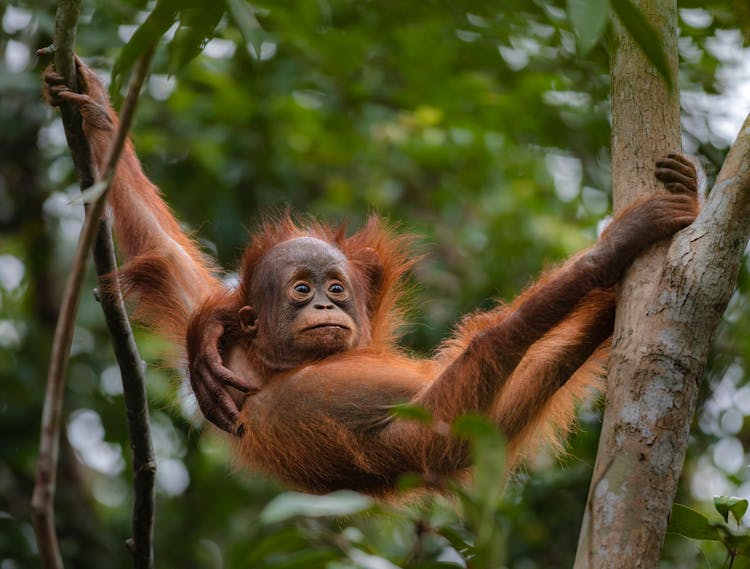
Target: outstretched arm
<point>165,269</point>
<point>164,264</point>
<point>475,379</point>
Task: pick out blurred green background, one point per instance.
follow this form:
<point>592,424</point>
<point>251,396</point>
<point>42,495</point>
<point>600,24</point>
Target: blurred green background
<point>477,125</point>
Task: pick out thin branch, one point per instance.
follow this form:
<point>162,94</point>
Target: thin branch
<point>44,490</point>
<point>132,369</point>
<point>133,374</point>
<point>46,475</point>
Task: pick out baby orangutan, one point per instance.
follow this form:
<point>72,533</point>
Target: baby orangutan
<point>300,360</point>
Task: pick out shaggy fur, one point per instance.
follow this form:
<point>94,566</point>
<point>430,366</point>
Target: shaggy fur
<point>327,424</point>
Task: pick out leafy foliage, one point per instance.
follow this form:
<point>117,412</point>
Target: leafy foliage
<point>690,523</point>
<point>483,128</point>
<point>589,20</point>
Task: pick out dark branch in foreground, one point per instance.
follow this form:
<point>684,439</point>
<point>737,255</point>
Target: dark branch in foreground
<point>133,372</point>
<point>131,368</point>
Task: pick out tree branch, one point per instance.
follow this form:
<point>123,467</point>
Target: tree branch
<point>132,368</point>
<point>133,372</point>
<point>666,319</point>
<point>130,362</point>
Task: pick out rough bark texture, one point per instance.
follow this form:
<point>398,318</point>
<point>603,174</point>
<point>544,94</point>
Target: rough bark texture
<point>668,311</point>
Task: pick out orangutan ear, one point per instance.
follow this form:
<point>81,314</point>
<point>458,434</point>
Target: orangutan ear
<point>248,320</point>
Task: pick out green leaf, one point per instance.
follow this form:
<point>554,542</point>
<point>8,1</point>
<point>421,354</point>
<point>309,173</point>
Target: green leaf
<point>589,18</point>
<point>291,504</point>
<point>197,26</point>
<point>288,538</point>
<point>145,37</point>
<point>690,523</point>
<point>473,426</point>
<point>737,542</point>
<point>488,451</point>
<point>409,481</point>
<point>413,412</point>
<point>489,468</point>
<point>730,504</point>
<point>305,559</point>
<point>459,541</point>
<point>481,500</point>
<point>244,18</point>
<point>742,545</point>
<point>645,35</point>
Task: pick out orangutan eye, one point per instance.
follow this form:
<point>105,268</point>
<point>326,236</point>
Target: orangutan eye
<point>336,288</point>
<point>302,288</point>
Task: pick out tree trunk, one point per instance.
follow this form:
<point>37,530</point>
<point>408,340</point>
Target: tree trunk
<point>669,306</point>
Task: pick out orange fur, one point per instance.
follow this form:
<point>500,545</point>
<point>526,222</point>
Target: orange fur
<point>391,253</point>
<point>165,268</point>
<point>326,423</point>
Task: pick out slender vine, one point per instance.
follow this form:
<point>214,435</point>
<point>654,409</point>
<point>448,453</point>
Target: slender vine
<point>95,231</point>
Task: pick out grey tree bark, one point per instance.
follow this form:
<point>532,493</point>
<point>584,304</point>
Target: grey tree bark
<point>669,306</point>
